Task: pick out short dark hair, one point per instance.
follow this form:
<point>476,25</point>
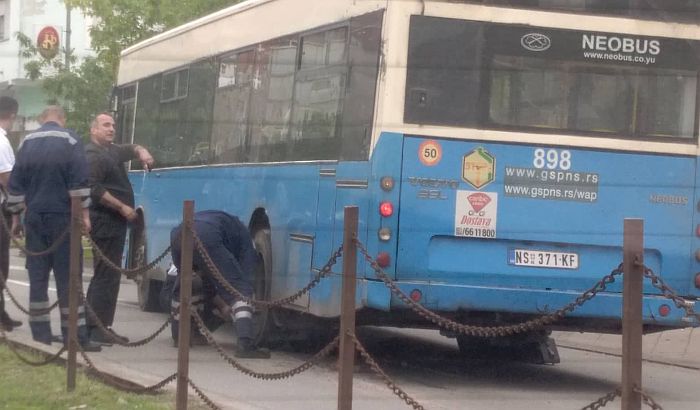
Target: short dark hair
<point>8,107</point>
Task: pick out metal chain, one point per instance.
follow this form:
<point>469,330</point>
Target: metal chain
<point>211,267</point>
<point>669,293</point>
<point>115,382</point>
<point>648,400</point>
<point>603,401</point>
<point>14,350</point>
<point>330,347</point>
<point>209,402</point>
<point>488,331</point>
<point>116,338</point>
<point>24,249</point>
<point>389,382</point>
<point>30,312</point>
<point>129,273</point>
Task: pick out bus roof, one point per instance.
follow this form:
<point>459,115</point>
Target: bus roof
<point>232,28</point>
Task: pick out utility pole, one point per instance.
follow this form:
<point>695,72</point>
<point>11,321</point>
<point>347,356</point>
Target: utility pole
<point>68,34</point>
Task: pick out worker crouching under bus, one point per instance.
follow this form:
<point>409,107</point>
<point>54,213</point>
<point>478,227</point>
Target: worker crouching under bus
<point>230,247</point>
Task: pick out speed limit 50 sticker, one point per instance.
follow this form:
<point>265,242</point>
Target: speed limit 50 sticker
<point>430,153</point>
<point>476,214</point>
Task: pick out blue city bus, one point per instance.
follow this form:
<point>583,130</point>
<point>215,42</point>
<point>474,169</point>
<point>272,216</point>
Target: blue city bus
<point>493,148</point>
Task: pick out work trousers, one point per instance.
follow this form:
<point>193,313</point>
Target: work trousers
<point>4,257</point>
<point>104,286</point>
<point>203,293</point>
<point>42,231</point>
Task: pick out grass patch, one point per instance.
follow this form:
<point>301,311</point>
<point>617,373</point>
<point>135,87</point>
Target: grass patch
<point>27,387</point>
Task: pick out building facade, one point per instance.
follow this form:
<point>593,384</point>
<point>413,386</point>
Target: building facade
<point>30,17</point>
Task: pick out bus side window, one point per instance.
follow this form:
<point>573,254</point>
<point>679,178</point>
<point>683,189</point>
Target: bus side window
<point>271,100</point>
<point>230,130</point>
<point>358,107</point>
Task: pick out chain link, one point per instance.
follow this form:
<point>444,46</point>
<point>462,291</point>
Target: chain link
<point>214,271</point>
<point>116,382</point>
<point>11,346</point>
<point>488,331</point>
<point>669,293</point>
<point>24,249</point>
<point>209,402</point>
<point>330,347</point>
<point>389,382</point>
<point>129,273</point>
<point>648,400</point>
<point>603,401</point>
<point>29,312</point>
<point>116,338</point>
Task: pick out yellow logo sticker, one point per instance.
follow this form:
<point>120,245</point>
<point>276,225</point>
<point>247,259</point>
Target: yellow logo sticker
<point>479,168</point>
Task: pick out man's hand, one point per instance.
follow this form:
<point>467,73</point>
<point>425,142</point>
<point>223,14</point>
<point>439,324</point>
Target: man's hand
<point>87,226</point>
<point>17,227</point>
<point>145,157</point>
<point>128,213</point>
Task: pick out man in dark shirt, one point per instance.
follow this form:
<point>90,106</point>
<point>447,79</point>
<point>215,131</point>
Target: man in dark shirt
<point>50,169</point>
<point>229,245</point>
<point>112,209</point>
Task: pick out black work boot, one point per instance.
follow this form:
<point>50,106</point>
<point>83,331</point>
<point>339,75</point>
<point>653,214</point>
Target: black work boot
<point>8,323</point>
<point>245,349</point>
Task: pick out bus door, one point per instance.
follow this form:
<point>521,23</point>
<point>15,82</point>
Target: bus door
<point>341,185</point>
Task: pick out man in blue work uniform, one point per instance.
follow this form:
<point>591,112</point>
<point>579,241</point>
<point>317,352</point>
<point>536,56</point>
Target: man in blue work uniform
<point>228,243</point>
<point>49,170</point>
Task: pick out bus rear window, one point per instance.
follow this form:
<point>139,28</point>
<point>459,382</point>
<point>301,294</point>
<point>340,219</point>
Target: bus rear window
<point>474,74</point>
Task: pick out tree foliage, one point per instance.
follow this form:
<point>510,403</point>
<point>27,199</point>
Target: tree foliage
<point>118,24</point>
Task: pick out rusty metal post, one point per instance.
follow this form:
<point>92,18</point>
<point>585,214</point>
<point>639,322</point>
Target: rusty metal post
<point>186,254</point>
<point>76,212</point>
<point>346,356</point>
<point>633,277</point>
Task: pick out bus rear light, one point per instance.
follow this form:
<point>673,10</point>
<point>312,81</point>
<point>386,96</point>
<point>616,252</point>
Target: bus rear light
<point>385,234</point>
<point>664,310</point>
<point>416,295</point>
<point>387,183</point>
<point>697,231</point>
<point>697,255</point>
<point>383,259</point>
<point>386,209</point>
<point>697,280</point>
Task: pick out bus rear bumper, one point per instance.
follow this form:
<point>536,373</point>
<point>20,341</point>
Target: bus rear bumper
<point>459,298</point>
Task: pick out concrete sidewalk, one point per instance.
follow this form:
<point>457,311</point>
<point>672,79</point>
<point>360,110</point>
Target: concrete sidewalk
<point>679,347</point>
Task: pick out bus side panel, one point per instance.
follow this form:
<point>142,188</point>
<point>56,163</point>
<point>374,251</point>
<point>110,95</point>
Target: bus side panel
<point>282,190</point>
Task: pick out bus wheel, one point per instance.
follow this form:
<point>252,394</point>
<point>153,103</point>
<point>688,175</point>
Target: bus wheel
<point>148,289</point>
<point>261,285</point>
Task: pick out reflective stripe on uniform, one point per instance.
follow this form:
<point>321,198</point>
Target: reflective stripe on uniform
<point>46,134</point>
<point>39,305</point>
<point>241,310</point>
<point>79,192</point>
<point>40,318</point>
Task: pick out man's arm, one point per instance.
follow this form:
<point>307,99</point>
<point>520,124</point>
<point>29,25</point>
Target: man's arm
<point>4,179</point>
<point>112,202</point>
<point>135,151</point>
<point>78,181</point>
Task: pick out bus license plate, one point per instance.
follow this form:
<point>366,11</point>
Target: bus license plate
<point>543,259</point>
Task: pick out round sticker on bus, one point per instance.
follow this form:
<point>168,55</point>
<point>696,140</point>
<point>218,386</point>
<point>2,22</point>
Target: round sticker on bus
<point>430,153</point>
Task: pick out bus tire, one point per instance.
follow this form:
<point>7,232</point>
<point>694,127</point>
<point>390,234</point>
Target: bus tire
<point>261,284</point>
<point>148,290</point>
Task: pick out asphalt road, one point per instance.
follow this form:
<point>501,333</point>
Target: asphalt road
<point>426,365</point>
